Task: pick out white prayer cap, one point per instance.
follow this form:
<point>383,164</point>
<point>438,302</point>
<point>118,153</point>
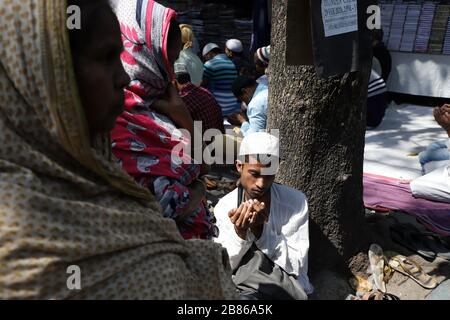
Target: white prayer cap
<point>207,49</point>
<point>235,45</point>
<point>261,143</point>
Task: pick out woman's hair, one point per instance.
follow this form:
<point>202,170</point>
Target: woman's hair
<point>91,10</point>
<point>187,36</point>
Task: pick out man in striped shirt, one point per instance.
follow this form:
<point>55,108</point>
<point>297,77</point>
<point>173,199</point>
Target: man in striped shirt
<point>219,74</point>
<point>376,100</point>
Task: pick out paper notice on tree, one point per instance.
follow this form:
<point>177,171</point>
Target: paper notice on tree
<point>339,16</point>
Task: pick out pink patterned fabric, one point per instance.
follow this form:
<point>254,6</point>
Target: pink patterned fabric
<point>144,140</point>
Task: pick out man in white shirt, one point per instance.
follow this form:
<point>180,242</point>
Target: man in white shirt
<point>271,216</point>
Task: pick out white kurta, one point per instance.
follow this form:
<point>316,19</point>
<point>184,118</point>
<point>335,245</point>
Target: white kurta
<point>285,238</point>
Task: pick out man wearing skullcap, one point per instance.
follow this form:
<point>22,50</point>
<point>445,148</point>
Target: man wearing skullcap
<point>218,76</point>
<point>261,216</point>
<point>235,51</point>
<point>261,59</point>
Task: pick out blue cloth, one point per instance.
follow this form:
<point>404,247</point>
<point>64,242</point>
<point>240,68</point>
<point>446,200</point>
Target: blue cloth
<point>257,111</point>
<point>220,72</point>
<point>437,151</point>
<point>263,79</point>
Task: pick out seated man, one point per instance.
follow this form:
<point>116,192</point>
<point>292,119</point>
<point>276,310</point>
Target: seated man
<point>381,54</point>
<point>261,59</point>
<point>256,97</point>
<point>376,100</point>
<point>235,51</point>
<point>218,76</point>
<point>200,102</point>
<point>439,150</point>
<point>261,217</point>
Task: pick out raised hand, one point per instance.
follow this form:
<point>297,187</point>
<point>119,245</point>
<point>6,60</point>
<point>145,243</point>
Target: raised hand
<point>240,218</point>
<point>442,116</point>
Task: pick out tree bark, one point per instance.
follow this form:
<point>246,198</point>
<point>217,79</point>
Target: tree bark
<point>322,127</point>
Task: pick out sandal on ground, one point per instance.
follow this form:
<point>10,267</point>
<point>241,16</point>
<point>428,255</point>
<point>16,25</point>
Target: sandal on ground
<point>382,296</point>
<point>412,270</point>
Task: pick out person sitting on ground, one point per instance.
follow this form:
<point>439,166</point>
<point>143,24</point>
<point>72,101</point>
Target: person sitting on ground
<point>188,57</point>
<point>262,216</point>
<point>376,100</point>
<point>261,59</point>
<point>235,51</point>
<point>200,102</point>
<point>147,143</point>
<point>256,97</point>
<point>381,54</point>
<point>440,150</point>
<point>64,201</point>
<point>219,74</point>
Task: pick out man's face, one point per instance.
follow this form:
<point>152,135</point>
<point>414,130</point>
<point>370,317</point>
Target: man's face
<point>260,69</point>
<point>247,94</point>
<point>100,75</point>
<point>252,180</point>
<point>228,52</point>
<point>209,56</point>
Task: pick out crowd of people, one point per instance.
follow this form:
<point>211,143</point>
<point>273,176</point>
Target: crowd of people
<point>89,124</point>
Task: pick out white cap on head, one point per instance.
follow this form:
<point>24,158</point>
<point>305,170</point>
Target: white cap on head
<point>235,45</point>
<point>207,49</point>
<point>261,143</point>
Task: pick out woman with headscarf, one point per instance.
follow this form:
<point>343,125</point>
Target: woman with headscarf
<point>65,205</point>
<point>188,57</point>
<point>147,143</point>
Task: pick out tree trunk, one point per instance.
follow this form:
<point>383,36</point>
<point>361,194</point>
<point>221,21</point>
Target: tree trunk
<point>322,127</point>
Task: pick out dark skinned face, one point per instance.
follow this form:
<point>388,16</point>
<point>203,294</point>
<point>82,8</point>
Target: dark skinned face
<point>247,94</point>
<point>100,74</point>
<point>259,67</point>
<point>256,185</point>
<point>174,44</point>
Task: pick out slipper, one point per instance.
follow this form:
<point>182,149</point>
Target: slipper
<point>412,270</point>
<point>376,259</point>
<point>376,295</point>
<point>409,237</point>
<point>382,296</point>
